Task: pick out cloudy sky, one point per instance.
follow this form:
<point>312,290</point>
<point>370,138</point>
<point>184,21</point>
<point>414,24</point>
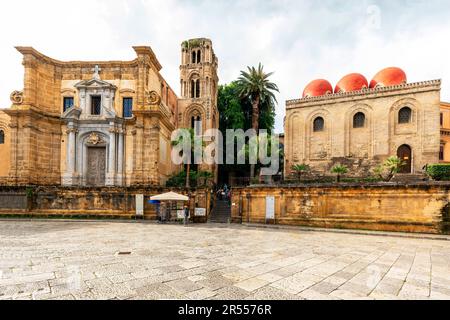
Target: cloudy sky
<point>299,40</point>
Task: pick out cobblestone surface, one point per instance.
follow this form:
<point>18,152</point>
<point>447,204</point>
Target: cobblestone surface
<point>78,260</point>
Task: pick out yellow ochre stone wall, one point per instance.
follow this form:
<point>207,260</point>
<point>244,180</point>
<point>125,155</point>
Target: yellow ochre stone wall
<point>418,208</point>
<point>74,202</point>
<point>363,148</point>
<point>5,147</point>
<point>37,135</point>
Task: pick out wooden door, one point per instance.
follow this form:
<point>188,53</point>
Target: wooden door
<point>405,154</point>
<point>96,166</point>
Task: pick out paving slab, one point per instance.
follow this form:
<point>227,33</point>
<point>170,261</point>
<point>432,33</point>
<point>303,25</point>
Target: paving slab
<point>216,262</point>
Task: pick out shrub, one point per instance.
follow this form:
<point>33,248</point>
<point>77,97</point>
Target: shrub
<point>300,169</point>
<point>389,168</point>
<point>339,170</point>
<point>439,172</point>
<point>179,180</point>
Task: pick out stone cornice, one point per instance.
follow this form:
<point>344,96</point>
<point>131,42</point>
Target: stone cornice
<point>75,64</point>
<point>147,51</point>
<point>424,86</point>
<point>27,110</point>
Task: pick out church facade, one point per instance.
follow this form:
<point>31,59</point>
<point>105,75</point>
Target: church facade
<point>104,123</point>
<point>360,124</point>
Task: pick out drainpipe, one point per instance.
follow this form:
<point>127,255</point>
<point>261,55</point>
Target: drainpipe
<point>248,207</point>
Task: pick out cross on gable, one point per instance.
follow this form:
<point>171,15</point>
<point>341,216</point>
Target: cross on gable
<point>96,71</point>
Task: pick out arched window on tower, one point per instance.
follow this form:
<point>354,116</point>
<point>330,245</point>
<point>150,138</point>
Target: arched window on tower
<point>405,115</point>
<point>194,56</point>
<point>319,124</point>
<point>197,89</point>
<point>197,125</point>
<point>199,56</point>
<point>359,120</point>
<point>2,137</point>
<point>192,89</point>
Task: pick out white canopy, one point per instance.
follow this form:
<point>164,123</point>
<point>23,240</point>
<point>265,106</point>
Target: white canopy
<point>170,196</point>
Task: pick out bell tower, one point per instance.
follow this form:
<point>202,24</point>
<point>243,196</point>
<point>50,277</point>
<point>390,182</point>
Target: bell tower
<point>199,87</point>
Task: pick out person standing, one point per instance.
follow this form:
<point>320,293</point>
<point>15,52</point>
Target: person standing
<point>186,215</point>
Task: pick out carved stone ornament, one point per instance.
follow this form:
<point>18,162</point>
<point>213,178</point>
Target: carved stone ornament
<point>16,97</point>
<point>94,139</point>
<point>152,98</point>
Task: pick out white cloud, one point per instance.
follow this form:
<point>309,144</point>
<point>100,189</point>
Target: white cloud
<point>299,40</point>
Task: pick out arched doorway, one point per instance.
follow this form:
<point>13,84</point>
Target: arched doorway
<point>405,154</point>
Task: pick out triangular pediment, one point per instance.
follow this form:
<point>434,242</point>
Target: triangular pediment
<point>95,83</point>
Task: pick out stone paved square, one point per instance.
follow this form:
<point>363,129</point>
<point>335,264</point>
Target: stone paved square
<point>81,260</point>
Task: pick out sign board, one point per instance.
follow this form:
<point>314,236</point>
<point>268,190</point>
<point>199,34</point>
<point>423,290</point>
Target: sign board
<point>270,208</point>
<point>200,212</point>
<point>140,205</point>
<point>180,214</point>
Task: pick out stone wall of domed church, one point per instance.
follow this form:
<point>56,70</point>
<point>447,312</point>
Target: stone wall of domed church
<point>362,128</point>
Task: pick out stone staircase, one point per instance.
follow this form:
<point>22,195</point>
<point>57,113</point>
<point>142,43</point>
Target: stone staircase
<point>221,213</point>
<point>409,178</point>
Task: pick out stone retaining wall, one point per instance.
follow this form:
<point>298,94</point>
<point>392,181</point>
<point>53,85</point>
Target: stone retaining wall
<point>383,207</point>
<point>87,202</point>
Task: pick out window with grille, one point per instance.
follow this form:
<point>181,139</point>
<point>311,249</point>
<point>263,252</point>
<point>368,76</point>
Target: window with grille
<point>2,137</point>
<point>405,115</point>
<point>96,105</point>
<point>127,107</point>
<point>67,103</point>
<point>319,124</point>
<point>359,120</point>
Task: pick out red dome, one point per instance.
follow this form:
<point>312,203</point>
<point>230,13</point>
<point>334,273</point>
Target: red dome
<point>389,77</point>
<point>351,82</point>
<point>316,88</point>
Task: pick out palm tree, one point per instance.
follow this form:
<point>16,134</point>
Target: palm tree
<point>255,86</point>
<point>300,169</point>
<point>392,166</point>
<point>339,170</point>
<point>193,139</point>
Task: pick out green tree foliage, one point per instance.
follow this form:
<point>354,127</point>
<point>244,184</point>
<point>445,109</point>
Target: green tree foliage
<point>230,108</point>
<point>255,88</point>
<point>193,139</point>
<point>195,179</point>
<point>236,113</point>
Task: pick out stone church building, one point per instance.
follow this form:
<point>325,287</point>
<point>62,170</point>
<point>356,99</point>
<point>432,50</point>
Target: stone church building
<point>104,123</point>
<point>360,124</point>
